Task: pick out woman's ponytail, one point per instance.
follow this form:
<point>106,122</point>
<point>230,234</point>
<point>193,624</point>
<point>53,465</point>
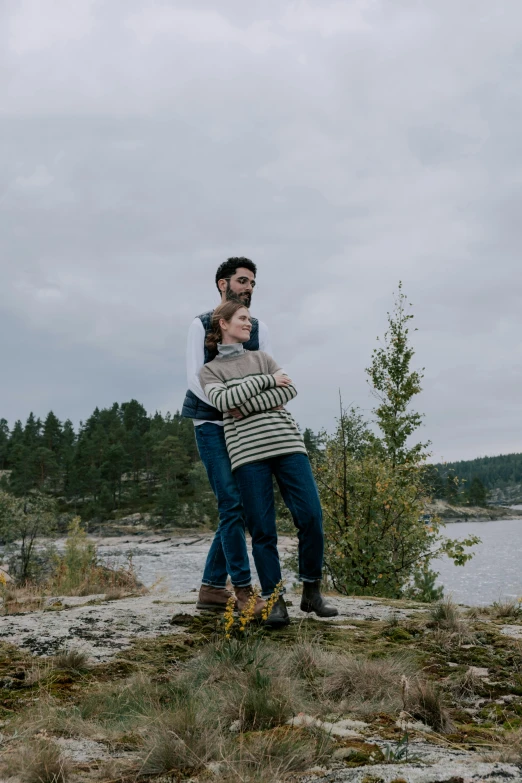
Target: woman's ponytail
<point>212,340</point>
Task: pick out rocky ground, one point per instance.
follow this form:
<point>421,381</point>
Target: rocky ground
<point>474,657</point>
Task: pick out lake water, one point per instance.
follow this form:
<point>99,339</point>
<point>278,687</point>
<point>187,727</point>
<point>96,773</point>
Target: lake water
<point>496,570</point>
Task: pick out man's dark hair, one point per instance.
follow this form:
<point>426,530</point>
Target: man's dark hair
<point>228,268</point>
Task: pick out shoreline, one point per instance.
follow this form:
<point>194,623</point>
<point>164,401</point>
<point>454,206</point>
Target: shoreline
<point>449,513</point>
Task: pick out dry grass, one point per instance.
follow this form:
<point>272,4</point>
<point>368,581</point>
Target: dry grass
<point>238,685</point>
<point>122,705</point>
<point>506,609</point>
<point>392,621</point>
<point>73,661</point>
<point>255,698</point>
<point>98,579</point>
<point>26,598</point>
<point>425,703</point>
<point>223,660</point>
<point>466,685</point>
<point>510,752</point>
<point>114,584</point>
<point>445,615</point>
<point>39,761</point>
<point>107,710</point>
<point>368,684</point>
<point>450,628</point>
<point>52,716</point>
<point>447,641</point>
<point>116,593</point>
<point>270,757</point>
<point>307,660</point>
<point>183,739</point>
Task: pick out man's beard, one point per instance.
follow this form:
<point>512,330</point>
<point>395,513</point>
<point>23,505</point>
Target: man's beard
<point>245,298</point>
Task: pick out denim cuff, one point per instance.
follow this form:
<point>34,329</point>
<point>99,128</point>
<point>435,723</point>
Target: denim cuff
<point>210,584</point>
<point>266,596</point>
<point>246,584</point>
<point>310,579</point>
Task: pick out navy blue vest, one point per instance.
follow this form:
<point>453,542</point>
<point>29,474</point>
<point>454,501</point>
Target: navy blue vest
<point>193,407</point>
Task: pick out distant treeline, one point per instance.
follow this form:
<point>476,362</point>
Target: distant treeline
<point>494,472</point>
<point>471,480</point>
<point>120,460</point>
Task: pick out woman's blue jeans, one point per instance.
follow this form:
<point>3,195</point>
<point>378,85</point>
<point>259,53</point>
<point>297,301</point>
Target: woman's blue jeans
<point>228,552</point>
<point>294,476</point>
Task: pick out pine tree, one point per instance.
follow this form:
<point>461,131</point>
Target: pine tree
<point>52,433</point>
<point>394,384</point>
<point>32,431</point>
<point>15,441</point>
<point>476,493</point>
<point>172,465</point>
<point>47,468</point>
<point>67,450</point>
<point>451,490</point>
<point>112,469</point>
<point>4,444</point>
<point>23,458</point>
<point>136,424</point>
<point>311,441</point>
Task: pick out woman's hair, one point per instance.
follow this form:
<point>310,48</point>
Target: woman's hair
<point>225,311</point>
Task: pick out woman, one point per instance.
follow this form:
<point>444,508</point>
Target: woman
<point>263,441</point>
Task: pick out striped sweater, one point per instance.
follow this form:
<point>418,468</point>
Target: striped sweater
<point>245,380</point>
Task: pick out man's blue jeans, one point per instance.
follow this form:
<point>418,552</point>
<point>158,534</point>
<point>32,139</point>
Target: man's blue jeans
<point>298,488</point>
<point>228,552</point>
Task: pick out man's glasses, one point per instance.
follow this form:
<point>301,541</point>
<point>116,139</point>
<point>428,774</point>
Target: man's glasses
<point>243,281</point>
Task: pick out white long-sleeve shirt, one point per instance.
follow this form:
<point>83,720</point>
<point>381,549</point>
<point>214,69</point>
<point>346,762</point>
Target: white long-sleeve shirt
<point>196,359</point>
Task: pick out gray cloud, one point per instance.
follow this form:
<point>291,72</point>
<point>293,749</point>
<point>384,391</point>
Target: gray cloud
<point>341,145</point>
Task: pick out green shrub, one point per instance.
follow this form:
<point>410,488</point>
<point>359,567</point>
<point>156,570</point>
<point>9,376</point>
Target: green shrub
<point>373,487</point>
<point>78,572</point>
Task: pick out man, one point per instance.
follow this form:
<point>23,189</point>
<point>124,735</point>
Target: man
<point>235,279</point>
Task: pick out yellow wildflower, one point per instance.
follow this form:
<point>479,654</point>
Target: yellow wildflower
<point>229,616</point>
<point>272,600</point>
<point>247,615</point>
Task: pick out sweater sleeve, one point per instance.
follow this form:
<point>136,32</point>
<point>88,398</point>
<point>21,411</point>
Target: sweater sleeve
<point>224,399</point>
<point>268,400</point>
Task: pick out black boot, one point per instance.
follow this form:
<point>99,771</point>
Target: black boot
<point>313,601</point>
<point>278,617</point>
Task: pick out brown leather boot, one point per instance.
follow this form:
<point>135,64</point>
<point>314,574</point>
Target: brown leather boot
<point>214,599</point>
<point>243,595</point>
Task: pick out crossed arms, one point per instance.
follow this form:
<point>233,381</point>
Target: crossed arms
<point>254,394</point>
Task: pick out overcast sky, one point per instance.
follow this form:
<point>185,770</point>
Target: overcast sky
<point>342,146</point>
